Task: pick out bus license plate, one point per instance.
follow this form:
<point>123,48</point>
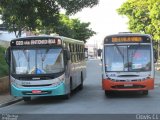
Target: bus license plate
<point>128,85</point>
<point>36,91</point>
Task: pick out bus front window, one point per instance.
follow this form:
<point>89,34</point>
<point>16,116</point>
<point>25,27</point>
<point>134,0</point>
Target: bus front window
<point>128,58</point>
<point>139,58</point>
<point>115,58</point>
<point>37,61</point>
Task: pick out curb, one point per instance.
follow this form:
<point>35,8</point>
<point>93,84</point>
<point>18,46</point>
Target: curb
<point>10,102</point>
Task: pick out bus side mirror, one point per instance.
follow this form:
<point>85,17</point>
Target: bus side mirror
<point>7,55</point>
<point>67,54</point>
<point>155,55</point>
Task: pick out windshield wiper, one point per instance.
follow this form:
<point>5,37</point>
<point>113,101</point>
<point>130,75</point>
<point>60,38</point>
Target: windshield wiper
<point>27,57</point>
<point>122,55</point>
<point>43,57</point>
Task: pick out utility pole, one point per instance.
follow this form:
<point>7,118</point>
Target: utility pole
<point>95,48</point>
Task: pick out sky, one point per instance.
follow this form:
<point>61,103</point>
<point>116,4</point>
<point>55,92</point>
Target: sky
<point>104,19</point>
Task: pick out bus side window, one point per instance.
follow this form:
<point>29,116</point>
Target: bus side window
<point>72,52</point>
<point>67,52</point>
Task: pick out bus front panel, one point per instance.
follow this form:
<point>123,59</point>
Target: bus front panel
<point>52,87</point>
<point>128,67</point>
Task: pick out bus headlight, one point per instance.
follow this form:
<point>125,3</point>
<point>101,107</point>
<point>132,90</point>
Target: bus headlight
<point>58,81</point>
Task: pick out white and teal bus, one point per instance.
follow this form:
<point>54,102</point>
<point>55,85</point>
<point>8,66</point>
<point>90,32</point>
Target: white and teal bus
<point>45,66</point>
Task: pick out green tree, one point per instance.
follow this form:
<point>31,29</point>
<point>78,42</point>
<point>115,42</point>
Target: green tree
<point>143,15</point>
<point>81,30</point>
<point>27,14</point>
<point>73,6</point>
<point>74,28</point>
<point>3,64</point>
<point>155,17</point>
<point>38,14</point>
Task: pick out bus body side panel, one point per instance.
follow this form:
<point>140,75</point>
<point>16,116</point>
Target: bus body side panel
<point>84,70</point>
<point>73,76</point>
<point>78,69</point>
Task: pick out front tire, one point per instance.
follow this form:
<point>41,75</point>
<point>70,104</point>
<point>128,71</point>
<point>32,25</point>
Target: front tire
<point>108,93</point>
<point>68,95</point>
<point>27,99</point>
<point>145,92</point>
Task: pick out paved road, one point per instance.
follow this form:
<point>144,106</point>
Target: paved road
<point>91,100</point>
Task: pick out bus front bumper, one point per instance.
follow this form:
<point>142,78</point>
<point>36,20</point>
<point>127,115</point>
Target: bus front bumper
<point>110,85</point>
<point>38,91</point>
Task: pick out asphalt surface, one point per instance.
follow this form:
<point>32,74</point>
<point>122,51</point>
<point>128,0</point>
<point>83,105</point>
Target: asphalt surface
<point>91,100</point>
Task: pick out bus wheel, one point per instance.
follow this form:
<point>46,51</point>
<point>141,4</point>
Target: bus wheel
<point>108,93</point>
<point>67,96</point>
<point>81,85</point>
<point>27,99</point>
<point>145,92</point>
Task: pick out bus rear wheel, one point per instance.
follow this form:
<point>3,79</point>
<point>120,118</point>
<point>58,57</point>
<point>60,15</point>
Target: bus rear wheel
<point>27,99</point>
<point>81,85</point>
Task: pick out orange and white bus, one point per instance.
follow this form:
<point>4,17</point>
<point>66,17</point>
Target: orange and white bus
<point>128,63</point>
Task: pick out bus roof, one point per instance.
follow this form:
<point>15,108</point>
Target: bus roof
<point>70,40</point>
<point>128,34</point>
<point>128,38</point>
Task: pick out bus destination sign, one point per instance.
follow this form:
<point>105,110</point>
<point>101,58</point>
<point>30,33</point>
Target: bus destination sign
<point>126,39</point>
<point>36,42</point>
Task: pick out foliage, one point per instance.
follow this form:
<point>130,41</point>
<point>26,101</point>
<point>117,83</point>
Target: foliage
<point>3,64</point>
<point>73,28</point>
<point>144,16</point>
<point>27,14</point>
<point>73,6</point>
<point>19,15</point>
<point>155,17</point>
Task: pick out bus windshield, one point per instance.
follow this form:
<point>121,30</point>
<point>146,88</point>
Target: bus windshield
<point>131,58</point>
<point>37,61</point>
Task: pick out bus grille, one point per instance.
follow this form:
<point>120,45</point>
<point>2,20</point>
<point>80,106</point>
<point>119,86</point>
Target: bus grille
<point>42,93</point>
<point>125,80</point>
<point>36,85</point>
<point>124,87</point>
<point>32,78</point>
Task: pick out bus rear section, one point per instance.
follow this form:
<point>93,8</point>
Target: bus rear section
<point>128,63</point>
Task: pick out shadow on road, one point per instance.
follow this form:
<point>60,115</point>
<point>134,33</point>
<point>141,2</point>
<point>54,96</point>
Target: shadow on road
<point>127,94</point>
<point>51,99</point>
